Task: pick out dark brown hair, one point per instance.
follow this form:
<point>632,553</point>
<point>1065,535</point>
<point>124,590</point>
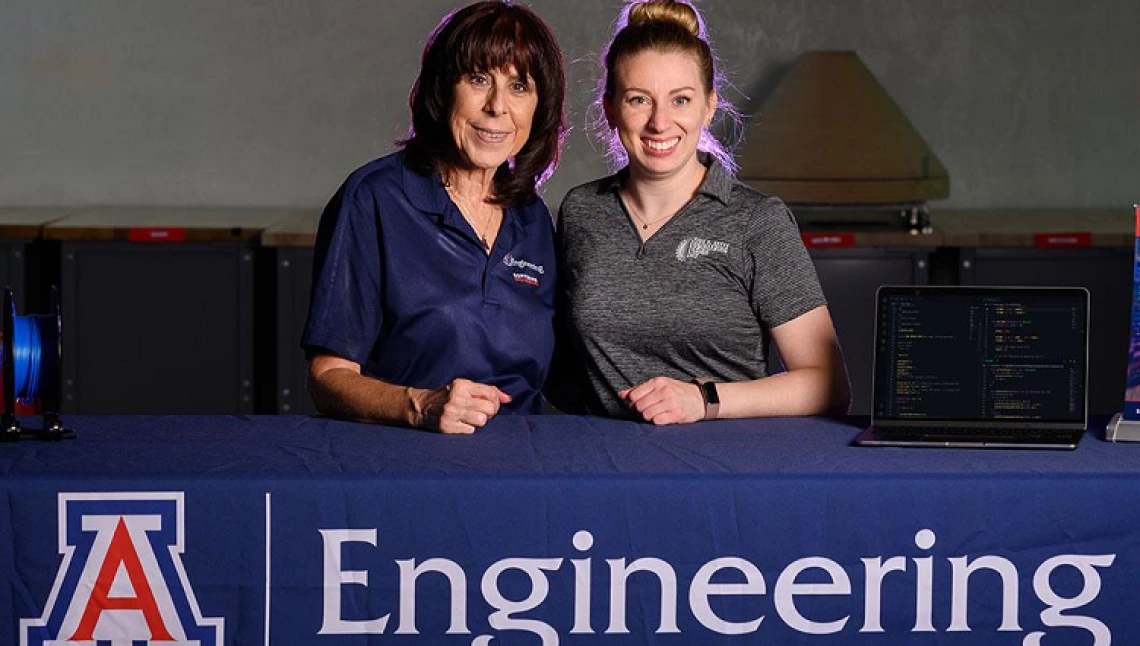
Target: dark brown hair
<point>484,36</point>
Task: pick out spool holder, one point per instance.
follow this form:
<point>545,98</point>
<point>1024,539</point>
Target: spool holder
<point>51,352</point>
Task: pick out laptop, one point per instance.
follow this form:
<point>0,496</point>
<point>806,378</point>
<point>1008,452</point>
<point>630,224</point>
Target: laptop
<point>979,367</point>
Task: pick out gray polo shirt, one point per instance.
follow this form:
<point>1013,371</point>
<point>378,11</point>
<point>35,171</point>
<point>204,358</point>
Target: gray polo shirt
<point>695,300</point>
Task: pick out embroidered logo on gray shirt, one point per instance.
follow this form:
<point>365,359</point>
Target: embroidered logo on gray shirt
<point>691,248</point>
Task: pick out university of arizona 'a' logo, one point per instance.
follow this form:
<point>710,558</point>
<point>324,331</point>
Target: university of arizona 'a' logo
<point>121,581</point>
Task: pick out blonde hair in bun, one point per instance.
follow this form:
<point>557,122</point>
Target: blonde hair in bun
<point>665,26</point>
<point>666,11</point>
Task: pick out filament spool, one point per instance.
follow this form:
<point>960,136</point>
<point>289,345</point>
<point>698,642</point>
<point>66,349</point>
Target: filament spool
<point>32,368</point>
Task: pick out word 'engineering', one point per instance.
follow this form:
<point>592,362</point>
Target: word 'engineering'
<point>796,585</point>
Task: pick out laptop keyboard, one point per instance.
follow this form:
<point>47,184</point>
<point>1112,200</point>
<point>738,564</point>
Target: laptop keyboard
<point>958,434</point>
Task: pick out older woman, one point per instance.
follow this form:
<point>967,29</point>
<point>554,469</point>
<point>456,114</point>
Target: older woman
<point>677,277</point>
<point>434,275</point>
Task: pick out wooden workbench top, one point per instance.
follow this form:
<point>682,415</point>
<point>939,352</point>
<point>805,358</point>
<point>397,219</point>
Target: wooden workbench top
<point>1051,228</point>
<point>18,222</point>
<point>297,227</point>
<point>1036,227</point>
<point>297,230</point>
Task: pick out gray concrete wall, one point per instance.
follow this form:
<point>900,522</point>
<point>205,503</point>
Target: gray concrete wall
<point>272,102</point>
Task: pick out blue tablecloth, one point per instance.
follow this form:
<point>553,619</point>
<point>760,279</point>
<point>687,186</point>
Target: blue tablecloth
<point>559,529</point>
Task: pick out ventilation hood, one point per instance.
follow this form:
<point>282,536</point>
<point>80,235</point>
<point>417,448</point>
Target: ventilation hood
<point>829,134</point>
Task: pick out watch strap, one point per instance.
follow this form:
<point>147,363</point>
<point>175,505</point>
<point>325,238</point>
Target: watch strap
<point>710,396</point>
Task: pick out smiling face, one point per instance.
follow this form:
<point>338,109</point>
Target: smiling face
<point>659,107</point>
<point>491,116</point>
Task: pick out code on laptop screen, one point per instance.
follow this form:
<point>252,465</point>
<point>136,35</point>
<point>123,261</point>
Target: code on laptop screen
<point>981,354</point>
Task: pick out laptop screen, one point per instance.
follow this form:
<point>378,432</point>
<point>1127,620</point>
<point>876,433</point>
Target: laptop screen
<point>981,354</point>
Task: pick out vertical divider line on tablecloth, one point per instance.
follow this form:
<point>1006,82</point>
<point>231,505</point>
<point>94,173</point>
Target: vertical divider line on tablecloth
<point>268,559</point>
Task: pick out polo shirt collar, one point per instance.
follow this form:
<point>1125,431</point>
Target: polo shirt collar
<point>717,183</point>
<point>425,192</point>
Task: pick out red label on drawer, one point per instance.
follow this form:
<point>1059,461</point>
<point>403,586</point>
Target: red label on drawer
<point>821,240</point>
<point>157,234</point>
<point>1070,239</point>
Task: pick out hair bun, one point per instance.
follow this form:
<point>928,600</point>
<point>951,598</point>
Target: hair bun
<point>668,11</point>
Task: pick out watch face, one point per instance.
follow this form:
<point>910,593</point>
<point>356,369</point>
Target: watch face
<point>711,396</point>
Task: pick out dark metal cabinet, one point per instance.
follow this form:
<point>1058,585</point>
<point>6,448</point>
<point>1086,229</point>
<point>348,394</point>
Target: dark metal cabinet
<point>13,274</point>
<point>157,329</point>
<point>294,268</point>
<point>159,307</point>
<point>289,246</point>
<point>22,256</point>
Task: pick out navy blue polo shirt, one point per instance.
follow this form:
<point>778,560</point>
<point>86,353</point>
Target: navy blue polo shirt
<point>401,285</point>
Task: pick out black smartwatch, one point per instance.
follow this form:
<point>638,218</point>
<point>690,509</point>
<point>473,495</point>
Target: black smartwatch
<point>710,395</point>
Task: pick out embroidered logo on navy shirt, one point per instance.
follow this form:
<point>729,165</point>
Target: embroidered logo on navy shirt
<point>511,261</point>
<point>526,279</point>
<point>521,277</point>
<point>691,248</point>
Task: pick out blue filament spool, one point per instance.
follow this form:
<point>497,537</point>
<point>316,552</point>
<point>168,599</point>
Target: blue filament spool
<point>32,352</point>
<point>29,352</point>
